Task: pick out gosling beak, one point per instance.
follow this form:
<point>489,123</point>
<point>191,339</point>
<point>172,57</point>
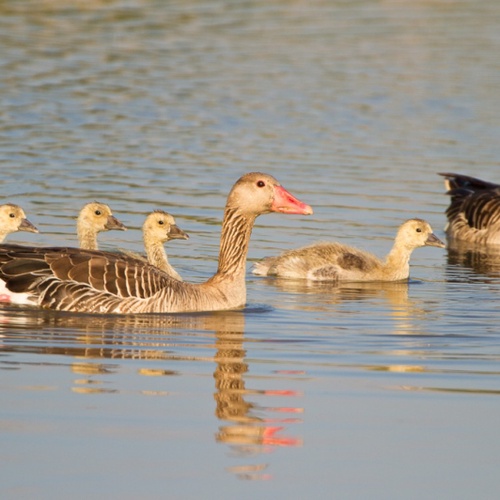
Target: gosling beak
<point>114,223</point>
<point>177,233</point>
<point>433,241</point>
<point>26,225</point>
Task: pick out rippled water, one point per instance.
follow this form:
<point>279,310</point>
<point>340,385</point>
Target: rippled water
<point>380,391</point>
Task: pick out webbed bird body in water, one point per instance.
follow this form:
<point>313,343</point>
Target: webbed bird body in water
<point>72,279</point>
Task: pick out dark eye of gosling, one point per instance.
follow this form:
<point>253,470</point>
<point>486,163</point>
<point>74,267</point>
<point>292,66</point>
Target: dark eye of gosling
<point>98,212</point>
<point>419,230</point>
<point>11,215</point>
<point>261,184</point>
<point>161,222</point>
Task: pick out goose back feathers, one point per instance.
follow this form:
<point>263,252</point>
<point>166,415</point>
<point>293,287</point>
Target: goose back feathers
<point>474,211</point>
<point>338,262</point>
<point>72,279</point>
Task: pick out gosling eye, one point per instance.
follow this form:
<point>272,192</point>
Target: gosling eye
<point>261,184</point>
<point>98,212</point>
<point>12,215</point>
<point>419,230</point>
<point>161,222</point>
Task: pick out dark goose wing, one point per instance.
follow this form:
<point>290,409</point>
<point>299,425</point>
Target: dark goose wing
<point>477,200</point>
<point>61,278</point>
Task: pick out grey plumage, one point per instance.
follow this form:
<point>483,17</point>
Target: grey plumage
<point>474,211</point>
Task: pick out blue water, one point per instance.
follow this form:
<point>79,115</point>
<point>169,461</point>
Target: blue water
<point>359,391</point>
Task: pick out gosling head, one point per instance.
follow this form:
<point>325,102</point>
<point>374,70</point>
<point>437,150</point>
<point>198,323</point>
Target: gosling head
<point>13,218</point>
<point>416,233</point>
<point>96,217</point>
<point>160,226</point>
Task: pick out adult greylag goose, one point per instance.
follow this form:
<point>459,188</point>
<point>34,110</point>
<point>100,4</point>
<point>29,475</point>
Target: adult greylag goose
<point>158,228</point>
<point>337,262</point>
<point>93,218</point>
<point>72,279</point>
<point>12,219</point>
<point>474,211</point>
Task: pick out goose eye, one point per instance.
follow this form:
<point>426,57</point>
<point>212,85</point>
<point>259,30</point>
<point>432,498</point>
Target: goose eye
<point>261,184</point>
<point>161,222</point>
<point>12,215</point>
<point>419,230</point>
<point>97,212</point>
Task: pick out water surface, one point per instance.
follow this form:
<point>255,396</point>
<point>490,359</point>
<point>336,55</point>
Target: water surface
<point>379,391</point>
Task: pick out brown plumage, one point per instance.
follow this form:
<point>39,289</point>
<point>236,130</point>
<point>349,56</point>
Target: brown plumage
<point>93,218</point>
<point>12,219</point>
<point>338,262</point>
<point>474,211</point>
<point>72,279</point>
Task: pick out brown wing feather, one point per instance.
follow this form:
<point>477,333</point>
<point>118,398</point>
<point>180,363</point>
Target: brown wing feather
<point>72,271</point>
<point>477,200</point>
<point>482,209</point>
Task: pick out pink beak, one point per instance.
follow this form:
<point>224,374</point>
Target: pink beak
<point>285,203</point>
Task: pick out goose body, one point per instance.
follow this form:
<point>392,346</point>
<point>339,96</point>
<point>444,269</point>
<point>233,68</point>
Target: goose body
<point>158,228</point>
<point>12,219</point>
<point>474,211</point>
<point>73,279</point>
<point>93,218</point>
<point>338,262</point>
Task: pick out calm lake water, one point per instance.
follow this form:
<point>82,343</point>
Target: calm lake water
<point>380,391</point>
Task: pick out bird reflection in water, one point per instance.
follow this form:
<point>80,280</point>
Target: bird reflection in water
<point>248,428</point>
<point>248,433</point>
<point>483,260</point>
<point>403,311</point>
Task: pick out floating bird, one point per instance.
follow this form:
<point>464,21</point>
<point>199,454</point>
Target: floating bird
<point>73,279</point>
<point>338,262</point>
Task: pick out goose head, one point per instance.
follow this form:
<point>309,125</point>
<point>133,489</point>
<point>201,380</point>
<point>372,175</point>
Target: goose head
<point>160,226</point>
<point>257,193</point>
<point>13,218</point>
<point>95,217</point>
<point>416,233</point>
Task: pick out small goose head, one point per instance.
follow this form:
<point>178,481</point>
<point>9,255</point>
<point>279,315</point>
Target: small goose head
<point>13,218</point>
<point>97,217</point>
<point>416,233</point>
<point>161,226</point>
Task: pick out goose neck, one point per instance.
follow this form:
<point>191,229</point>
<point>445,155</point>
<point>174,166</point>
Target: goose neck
<point>87,239</point>
<point>156,254</point>
<point>398,261</point>
<point>235,237</point>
